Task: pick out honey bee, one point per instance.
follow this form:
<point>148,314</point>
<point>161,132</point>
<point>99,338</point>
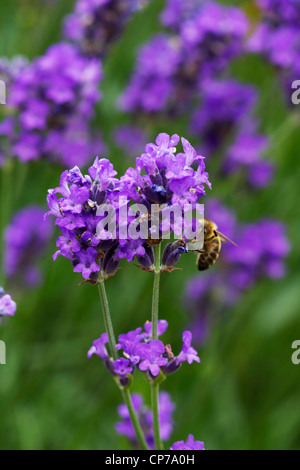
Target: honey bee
<point>212,244</point>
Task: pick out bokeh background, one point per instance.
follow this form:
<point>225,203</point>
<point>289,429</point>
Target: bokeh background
<point>245,393</point>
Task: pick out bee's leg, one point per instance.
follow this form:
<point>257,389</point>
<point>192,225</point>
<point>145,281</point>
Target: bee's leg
<point>199,251</point>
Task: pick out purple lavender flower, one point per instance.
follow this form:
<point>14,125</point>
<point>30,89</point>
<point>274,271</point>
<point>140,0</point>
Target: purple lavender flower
<point>122,366</point>
<point>26,239</point>
<point>151,355</point>
<point>87,263</point>
<point>188,353</point>
<point>95,24</point>
<point>129,342</point>
<point>53,100</point>
<point>7,305</point>
<point>99,348</point>
<point>166,408</point>
<point>190,444</point>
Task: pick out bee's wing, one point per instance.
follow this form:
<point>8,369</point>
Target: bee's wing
<point>225,239</point>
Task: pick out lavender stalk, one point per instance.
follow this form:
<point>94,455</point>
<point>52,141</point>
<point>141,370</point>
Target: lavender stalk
<point>155,309</point>
<point>114,354</point>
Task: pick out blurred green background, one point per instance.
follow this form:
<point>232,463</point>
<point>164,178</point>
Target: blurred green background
<point>245,393</point>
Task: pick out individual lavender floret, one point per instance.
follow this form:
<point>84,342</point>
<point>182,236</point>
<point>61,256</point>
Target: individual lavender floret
<point>96,24</point>
<point>26,239</point>
<point>166,408</point>
<point>190,444</point>
<point>53,102</point>
<point>188,353</point>
<point>7,305</point>
<point>122,366</point>
<point>99,348</point>
<point>224,106</point>
<point>151,357</point>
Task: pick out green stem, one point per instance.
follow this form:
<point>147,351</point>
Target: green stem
<point>155,295</point>
<point>114,355</point>
<point>155,412</point>
<point>155,309</point>
<point>107,320</point>
<point>134,419</point>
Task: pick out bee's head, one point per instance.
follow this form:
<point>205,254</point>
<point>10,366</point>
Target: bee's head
<point>209,228</point>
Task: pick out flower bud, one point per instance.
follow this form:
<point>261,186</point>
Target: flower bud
<point>147,260</point>
<point>110,262</point>
<point>172,253</point>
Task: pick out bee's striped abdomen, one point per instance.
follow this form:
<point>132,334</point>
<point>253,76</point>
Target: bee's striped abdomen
<point>206,260</point>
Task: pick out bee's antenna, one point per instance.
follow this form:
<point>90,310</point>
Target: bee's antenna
<point>224,238</point>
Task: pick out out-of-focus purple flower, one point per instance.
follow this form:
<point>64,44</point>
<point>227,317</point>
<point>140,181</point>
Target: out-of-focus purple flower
<point>130,139</point>
<point>95,24</point>
<point>225,104</point>
<point>190,444</point>
<point>277,37</point>
<point>188,353</point>
<point>26,238</point>
<point>51,102</point>
<point>176,12</point>
<point>170,66</point>
<point>11,68</point>
<point>152,84</point>
<point>279,10</point>
<point>7,305</point>
<point>162,326</point>
<point>215,33</point>
<point>246,154</point>
<point>166,408</point>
